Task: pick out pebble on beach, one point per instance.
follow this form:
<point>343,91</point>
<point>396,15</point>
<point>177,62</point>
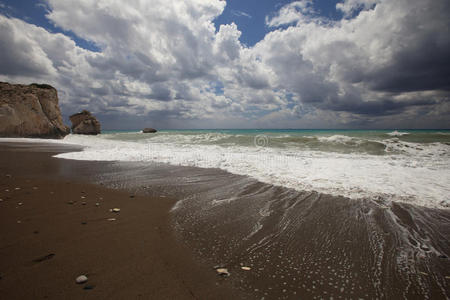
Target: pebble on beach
<point>246,268</point>
<point>116,210</point>
<point>81,279</point>
<point>223,272</point>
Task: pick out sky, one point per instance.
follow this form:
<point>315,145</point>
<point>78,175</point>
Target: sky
<point>174,64</point>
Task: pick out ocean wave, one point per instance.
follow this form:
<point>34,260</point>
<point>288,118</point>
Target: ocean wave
<point>337,139</point>
<point>397,133</point>
<point>415,174</point>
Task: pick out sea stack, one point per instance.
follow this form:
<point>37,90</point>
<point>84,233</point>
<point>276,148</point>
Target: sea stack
<point>30,111</point>
<point>85,123</point>
<point>149,130</point>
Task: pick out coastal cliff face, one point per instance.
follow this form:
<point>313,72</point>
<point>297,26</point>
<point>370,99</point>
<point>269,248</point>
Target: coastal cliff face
<point>30,111</point>
<point>85,123</point>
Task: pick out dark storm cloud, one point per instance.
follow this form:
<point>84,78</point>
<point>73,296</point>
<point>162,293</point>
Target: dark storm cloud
<point>422,68</point>
<point>377,108</point>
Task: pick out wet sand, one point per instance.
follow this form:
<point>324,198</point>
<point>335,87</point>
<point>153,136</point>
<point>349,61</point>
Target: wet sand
<point>52,231</point>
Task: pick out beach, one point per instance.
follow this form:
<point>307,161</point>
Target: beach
<point>52,232</point>
<point>219,149</point>
<point>178,224</point>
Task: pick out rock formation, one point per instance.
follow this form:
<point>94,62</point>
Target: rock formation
<point>85,123</point>
<point>149,130</point>
<point>30,111</point>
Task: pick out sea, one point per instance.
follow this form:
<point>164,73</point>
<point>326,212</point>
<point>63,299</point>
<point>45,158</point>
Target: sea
<point>411,166</point>
<point>296,214</point>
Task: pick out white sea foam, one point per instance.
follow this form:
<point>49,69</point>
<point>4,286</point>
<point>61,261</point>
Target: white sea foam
<point>417,173</point>
<point>397,133</point>
<point>337,139</point>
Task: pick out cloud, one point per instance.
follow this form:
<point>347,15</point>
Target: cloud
<point>349,7</point>
<point>165,61</point>
<point>361,65</point>
<point>292,13</point>
<point>239,13</point>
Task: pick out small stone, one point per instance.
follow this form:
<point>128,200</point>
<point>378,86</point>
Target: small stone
<point>18,222</point>
<point>81,279</point>
<point>82,197</point>
<point>83,203</point>
<point>17,188</point>
<point>20,203</point>
<point>8,175</point>
<point>115,210</point>
<point>223,272</point>
<point>423,273</point>
<point>36,231</point>
<point>70,202</point>
<point>97,204</point>
<point>111,219</point>
<point>35,188</point>
<point>131,196</point>
<point>83,223</point>
<point>443,256</point>
<point>246,268</point>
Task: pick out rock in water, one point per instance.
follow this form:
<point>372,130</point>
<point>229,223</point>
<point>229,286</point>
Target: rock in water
<point>85,123</point>
<point>149,130</point>
<point>30,111</point>
<point>81,279</point>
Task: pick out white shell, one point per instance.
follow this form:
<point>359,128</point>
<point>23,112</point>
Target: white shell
<point>81,279</point>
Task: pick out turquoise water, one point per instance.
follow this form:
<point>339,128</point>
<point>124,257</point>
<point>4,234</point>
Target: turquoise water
<point>376,142</point>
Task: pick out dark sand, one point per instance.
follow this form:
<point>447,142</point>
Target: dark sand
<point>50,234</point>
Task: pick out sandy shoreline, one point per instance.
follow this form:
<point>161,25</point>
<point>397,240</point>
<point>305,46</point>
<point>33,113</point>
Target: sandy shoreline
<point>52,231</point>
